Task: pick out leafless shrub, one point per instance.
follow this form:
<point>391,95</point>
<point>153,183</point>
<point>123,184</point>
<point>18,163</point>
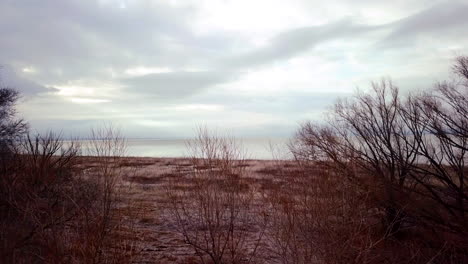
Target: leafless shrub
<point>317,218</point>
<point>103,220</point>
<point>36,194</point>
<point>54,211</point>
<point>215,216</point>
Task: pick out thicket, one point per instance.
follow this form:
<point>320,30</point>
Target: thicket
<point>406,157</point>
<point>54,208</point>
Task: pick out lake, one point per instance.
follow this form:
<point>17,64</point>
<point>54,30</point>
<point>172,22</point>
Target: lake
<point>255,148</point>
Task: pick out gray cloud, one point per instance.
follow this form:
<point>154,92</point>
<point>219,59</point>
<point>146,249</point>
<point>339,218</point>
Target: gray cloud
<point>437,22</point>
<point>295,41</point>
<point>433,22</point>
<point>11,79</point>
<point>175,85</point>
<point>70,39</point>
<point>83,44</point>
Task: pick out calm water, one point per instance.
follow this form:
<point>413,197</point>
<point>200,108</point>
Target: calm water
<point>255,148</point>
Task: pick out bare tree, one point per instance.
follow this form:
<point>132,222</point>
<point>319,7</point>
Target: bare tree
<point>410,155</point>
<point>366,136</point>
<point>439,122</point>
<point>11,128</point>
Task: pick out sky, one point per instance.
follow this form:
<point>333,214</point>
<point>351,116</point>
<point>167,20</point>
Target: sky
<point>160,68</point>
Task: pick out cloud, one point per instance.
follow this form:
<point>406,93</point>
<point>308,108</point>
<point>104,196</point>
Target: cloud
<point>70,39</point>
<point>175,85</point>
<point>437,22</point>
<point>185,62</point>
<point>297,40</point>
<point>11,79</point>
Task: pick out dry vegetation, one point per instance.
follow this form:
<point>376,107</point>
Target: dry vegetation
<point>409,156</point>
<point>55,209</point>
<point>383,181</point>
<point>215,217</point>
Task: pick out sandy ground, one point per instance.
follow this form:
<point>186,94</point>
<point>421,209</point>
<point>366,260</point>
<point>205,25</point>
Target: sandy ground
<point>151,227</point>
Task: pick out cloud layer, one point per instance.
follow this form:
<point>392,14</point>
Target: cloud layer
<point>158,68</point>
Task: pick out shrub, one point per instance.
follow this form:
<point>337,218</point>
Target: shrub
<point>53,211</point>
<point>214,216</point>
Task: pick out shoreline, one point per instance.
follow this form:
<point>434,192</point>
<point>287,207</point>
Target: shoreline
<point>180,158</point>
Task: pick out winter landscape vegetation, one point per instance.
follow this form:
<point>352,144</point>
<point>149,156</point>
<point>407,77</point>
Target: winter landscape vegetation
<point>225,156</point>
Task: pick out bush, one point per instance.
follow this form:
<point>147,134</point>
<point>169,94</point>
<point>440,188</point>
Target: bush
<point>318,218</point>
<point>214,215</point>
<point>53,210</point>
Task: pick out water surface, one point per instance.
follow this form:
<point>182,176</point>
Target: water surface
<point>255,148</point>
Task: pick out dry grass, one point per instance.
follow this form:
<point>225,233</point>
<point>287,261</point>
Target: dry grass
<point>312,216</point>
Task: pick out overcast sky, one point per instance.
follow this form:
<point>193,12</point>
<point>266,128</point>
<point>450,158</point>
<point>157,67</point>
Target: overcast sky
<point>253,67</point>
